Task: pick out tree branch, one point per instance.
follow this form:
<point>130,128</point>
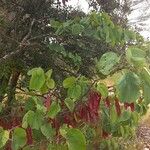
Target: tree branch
<point>20,48</point>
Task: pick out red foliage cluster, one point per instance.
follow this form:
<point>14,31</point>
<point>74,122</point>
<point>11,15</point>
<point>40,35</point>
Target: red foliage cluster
<point>9,123</point>
<point>12,122</point>
<point>85,112</point>
<point>118,108</point>
<point>129,105</point>
<point>47,102</point>
<point>89,111</point>
<point>105,134</point>
<point>107,102</point>
<point>126,105</point>
<point>29,136</point>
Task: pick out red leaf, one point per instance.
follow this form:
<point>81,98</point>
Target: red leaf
<point>105,134</point>
<point>29,136</point>
<point>94,100</point>
<point>117,105</point>
<point>131,105</point>
<point>107,102</point>
<point>16,121</point>
<point>55,123</point>
<point>47,102</point>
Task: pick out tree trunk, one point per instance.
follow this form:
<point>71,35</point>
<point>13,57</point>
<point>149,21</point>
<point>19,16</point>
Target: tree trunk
<point>12,86</point>
<point>3,86</point>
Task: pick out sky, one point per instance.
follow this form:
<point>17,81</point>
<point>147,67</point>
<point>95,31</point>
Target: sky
<point>143,10</point>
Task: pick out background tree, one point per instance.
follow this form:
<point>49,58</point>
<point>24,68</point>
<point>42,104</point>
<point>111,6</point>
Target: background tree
<point>29,40</point>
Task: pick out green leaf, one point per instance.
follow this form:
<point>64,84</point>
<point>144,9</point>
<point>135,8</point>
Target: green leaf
<point>30,72</point>
<point>44,89</point>
<point>30,104</point>
<point>47,131</point>
<point>145,75</point>
<point>146,93</point>
<point>50,83</point>
<point>102,89</point>
<point>125,117</point>
<point>68,82</point>
<point>48,73</point>
<point>70,104</point>
<point>54,109</point>
<point>122,130</point>
<point>60,30</point>
<point>75,139</point>
<point>77,29</point>
<point>135,117</point>
<point>57,147</point>
<point>26,117</point>
<point>55,24</point>
<point>4,136</point>
<point>113,115</point>
<point>136,56</point>
<point>63,130</point>
<point>128,87</point>
<point>129,35</point>
<point>107,62</point>
<point>39,105</point>
<point>34,119</point>
<point>19,138</point>
<point>74,92</point>
<point>37,79</point>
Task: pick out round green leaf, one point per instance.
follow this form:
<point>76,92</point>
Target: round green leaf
<point>70,104</point>
<point>37,79</point>
<point>54,109</point>
<point>68,82</point>
<point>19,138</point>
<point>102,89</point>
<point>50,83</point>
<point>34,119</point>
<point>47,131</point>
<point>75,139</point>
<point>145,75</point>
<point>107,62</point>
<point>136,56</point>
<point>128,87</point>
<point>4,136</point>
<point>30,104</point>
<point>74,92</point>
<point>48,73</point>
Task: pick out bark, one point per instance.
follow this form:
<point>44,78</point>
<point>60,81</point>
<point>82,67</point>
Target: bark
<point>3,86</point>
<point>12,86</point>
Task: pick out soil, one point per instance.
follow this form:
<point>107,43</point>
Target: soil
<point>143,131</point>
<point>143,136</point>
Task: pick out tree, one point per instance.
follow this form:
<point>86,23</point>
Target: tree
<point>140,22</point>
<point>118,10</point>
<point>65,103</point>
<point>26,34</point>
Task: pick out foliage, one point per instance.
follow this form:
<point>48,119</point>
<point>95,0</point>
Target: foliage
<point>68,122</point>
<point>45,34</point>
<point>75,109</point>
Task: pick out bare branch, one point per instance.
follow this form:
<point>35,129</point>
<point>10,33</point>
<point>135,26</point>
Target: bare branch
<point>21,47</point>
